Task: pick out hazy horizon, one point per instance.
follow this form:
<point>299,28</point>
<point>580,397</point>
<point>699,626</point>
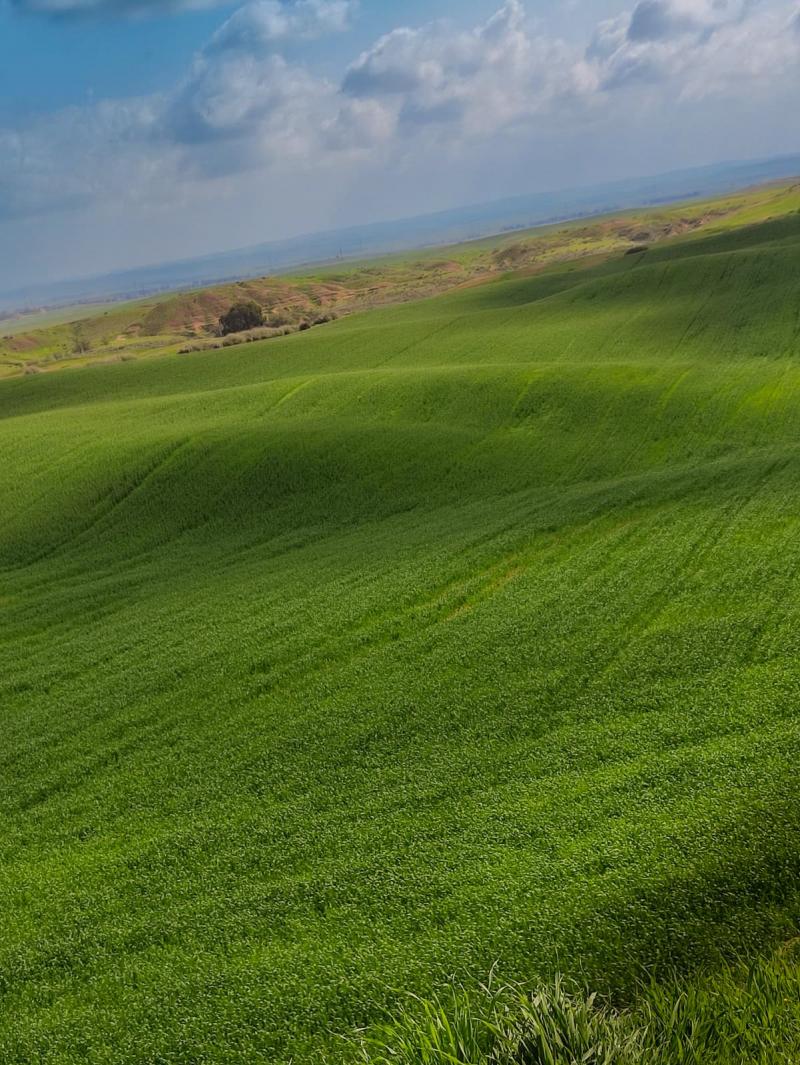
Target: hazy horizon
<point>136,133</point>
<point>455,226</point>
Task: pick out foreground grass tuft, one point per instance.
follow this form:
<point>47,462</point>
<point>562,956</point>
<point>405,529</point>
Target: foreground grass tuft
<point>739,1015</point>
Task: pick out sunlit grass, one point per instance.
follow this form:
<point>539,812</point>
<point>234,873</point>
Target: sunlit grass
<point>738,1014</point>
<point>450,633</point>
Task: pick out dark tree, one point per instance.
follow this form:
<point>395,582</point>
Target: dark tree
<point>241,316</point>
<point>80,342</point>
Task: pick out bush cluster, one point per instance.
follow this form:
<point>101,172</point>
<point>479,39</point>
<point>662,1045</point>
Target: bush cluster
<point>240,317</point>
<point>250,335</point>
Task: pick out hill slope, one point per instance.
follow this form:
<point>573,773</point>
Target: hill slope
<point>173,322</point>
<point>452,632</point>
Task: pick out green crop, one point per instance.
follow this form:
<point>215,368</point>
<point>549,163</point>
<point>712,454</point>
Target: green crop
<point>449,633</point>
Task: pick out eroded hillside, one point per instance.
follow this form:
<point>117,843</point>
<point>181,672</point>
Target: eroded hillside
<point>123,332</point>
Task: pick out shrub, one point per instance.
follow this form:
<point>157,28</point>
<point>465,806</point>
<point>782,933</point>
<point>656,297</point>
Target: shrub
<point>80,342</point>
<point>241,317</point>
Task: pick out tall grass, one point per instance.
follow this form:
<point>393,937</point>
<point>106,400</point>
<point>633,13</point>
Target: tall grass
<point>740,1015</point>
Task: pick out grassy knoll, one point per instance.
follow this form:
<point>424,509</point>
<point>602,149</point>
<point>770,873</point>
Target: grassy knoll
<point>456,632</point>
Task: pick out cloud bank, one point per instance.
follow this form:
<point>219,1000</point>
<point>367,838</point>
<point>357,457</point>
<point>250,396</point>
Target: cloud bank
<point>244,108</point>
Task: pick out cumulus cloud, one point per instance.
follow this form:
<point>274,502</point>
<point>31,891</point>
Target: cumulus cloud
<point>254,27</point>
<point>244,95</point>
<point>656,20</point>
<point>243,107</point>
<point>460,84</point>
<point>240,111</point>
<point>471,81</point>
<point>700,46</point>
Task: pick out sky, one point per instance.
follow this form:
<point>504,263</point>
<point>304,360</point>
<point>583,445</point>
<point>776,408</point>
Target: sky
<point>140,131</point>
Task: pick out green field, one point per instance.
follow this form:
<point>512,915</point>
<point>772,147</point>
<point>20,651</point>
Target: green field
<point>171,323</point>
<point>453,633</point>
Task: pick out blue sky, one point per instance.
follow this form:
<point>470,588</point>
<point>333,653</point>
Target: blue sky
<point>50,62</point>
<point>133,131</point>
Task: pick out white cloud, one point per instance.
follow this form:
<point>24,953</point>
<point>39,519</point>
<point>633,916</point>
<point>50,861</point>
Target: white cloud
<point>699,47</point>
<point>471,82</point>
<point>242,107</point>
<point>254,27</point>
<point>655,20</point>
<point>242,104</point>
<point>266,102</point>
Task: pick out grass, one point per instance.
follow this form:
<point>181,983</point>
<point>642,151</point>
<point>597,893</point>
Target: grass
<point>174,322</point>
<point>739,1014</point>
<point>457,631</point>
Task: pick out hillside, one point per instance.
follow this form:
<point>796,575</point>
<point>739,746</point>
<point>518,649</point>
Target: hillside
<point>171,323</point>
<point>403,235</point>
<point>455,632</point>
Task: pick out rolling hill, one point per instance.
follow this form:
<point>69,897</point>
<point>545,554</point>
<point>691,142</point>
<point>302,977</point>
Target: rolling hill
<point>457,632</point>
<point>170,323</point>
